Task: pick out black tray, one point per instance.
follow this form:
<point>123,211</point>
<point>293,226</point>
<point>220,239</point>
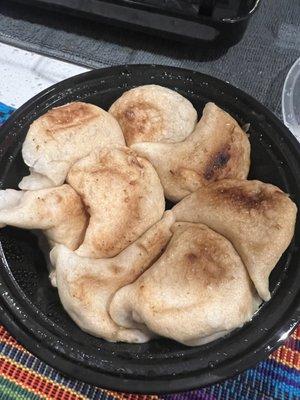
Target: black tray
<point>30,307</point>
<point>206,21</point>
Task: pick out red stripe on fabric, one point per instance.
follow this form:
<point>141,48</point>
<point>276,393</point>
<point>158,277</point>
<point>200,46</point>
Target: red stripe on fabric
<point>31,381</point>
<point>296,333</point>
<point>288,357</point>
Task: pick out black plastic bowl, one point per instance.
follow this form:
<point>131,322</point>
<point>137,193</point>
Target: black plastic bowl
<point>30,307</point>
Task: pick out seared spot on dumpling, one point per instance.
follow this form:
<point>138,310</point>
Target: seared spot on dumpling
<point>68,116</point>
<point>259,199</point>
<point>153,113</point>
<point>217,163</point>
<point>140,119</point>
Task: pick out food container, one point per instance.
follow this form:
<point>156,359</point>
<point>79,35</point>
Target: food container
<point>291,100</point>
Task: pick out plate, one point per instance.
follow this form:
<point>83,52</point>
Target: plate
<point>30,308</point>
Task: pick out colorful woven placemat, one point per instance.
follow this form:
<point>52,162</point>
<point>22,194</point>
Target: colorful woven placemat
<point>25,377</point>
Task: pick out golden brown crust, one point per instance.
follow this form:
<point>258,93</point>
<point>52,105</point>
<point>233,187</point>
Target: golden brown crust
<point>139,120</point>
<point>259,198</point>
<point>198,288</point>
<point>62,136</point>
<point>217,149</point>
<point>258,219</point>
<point>153,113</point>
<point>124,197</point>
<point>202,259</point>
<point>68,115</point>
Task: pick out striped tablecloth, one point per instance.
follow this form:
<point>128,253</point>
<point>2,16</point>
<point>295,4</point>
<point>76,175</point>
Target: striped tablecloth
<point>24,377</point>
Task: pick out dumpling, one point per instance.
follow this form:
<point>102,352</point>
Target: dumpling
<point>58,211</point>
<point>62,136</point>
<point>197,291</point>
<point>123,195</point>
<point>86,285</point>
<point>256,217</point>
<point>217,149</point>
<point>153,113</point>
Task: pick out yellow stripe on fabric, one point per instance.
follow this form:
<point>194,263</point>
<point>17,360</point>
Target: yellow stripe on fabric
<point>11,391</point>
<point>19,384</point>
<point>296,333</point>
<point>15,345</point>
<point>127,396</point>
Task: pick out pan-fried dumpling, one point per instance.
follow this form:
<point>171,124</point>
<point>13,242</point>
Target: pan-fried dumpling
<point>217,149</point>
<point>86,285</point>
<point>58,211</point>
<point>197,291</point>
<point>153,113</point>
<point>123,195</point>
<point>62,136</point>
<point>256,217</point>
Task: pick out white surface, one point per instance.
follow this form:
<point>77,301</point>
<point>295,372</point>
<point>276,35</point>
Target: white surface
<point>24,74</point>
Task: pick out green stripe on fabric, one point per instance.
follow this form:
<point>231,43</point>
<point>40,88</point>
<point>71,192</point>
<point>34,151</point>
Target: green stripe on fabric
<point>10,391</point>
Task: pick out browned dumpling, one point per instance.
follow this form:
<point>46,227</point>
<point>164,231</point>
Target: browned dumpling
<point>153,113</point>
<point>58,211</point>
<point>62,136</point>
<point>123,195</point>
<point>197,291</point>
<point>217,149</point>
<point>257,218</point>
<point>86,285</point>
